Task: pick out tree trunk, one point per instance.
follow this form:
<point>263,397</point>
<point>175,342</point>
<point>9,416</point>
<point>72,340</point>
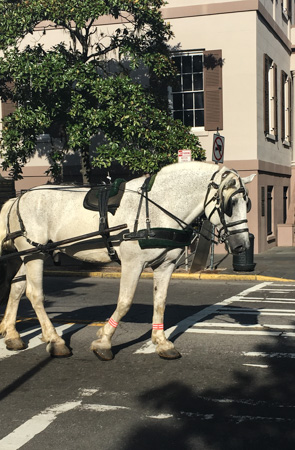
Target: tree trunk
<point>85,165</point>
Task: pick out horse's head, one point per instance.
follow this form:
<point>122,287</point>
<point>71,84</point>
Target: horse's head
<point>226,206</point>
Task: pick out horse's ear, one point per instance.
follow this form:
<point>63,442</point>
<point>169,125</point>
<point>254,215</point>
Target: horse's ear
<point>248,179</point>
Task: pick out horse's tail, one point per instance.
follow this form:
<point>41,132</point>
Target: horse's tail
<point>7,245</point>
<point>10,267</point>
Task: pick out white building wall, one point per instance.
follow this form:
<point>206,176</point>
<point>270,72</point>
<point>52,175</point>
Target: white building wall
<point>274,152</point>
<point>235,35</point>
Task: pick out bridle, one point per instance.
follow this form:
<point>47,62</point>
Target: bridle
<point>224,206</point>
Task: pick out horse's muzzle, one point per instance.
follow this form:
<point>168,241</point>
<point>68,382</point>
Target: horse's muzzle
<point>237,244</point>
<point>238,249</point>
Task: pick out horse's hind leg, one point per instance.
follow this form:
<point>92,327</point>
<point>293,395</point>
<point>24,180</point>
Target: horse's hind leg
<point>56,345</point>
<point>13,340</point>
<point>162,276</point>
<point>129,278</point>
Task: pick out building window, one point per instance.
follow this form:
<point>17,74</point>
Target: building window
<point>262,201</point>
<point>269,209</point>
<point>285,203</point>
<point>286,8</point>
<point>286,108</point>
<point>188,93</point>
<point>196,97</point>
<point>270,99</point>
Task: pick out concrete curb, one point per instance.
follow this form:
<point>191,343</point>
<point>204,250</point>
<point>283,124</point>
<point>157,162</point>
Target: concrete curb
<point>179,276</point>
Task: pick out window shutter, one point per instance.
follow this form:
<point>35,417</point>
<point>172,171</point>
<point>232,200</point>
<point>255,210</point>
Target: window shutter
<point>266,94</point>
<point>289,8</point>
<point>283,105</point>
<point>290,108</point>
<point>213,90</point>
<point>275,99</point>
<point>8,106</point>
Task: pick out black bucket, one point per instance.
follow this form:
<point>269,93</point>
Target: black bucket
<point>244,261</point>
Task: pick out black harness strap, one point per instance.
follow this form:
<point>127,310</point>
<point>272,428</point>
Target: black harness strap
<point>144,189</point>
<point>149,232</point>
<point>104,193</point>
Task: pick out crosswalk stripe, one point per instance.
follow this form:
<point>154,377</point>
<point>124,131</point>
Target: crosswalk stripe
<point>269,355</point>
<point>185,324</point>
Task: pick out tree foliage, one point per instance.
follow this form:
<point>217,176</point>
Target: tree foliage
<point>85,86</point>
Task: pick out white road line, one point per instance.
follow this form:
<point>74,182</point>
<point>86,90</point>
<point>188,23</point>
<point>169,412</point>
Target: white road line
<point>278,291</point>
<point>266,300</point>
<point>269,355</point>
<point>260,366</point>
<point>239,332</point>
<point>246,330</point>
<point>238,309</point>
<point>36,340</point>
<point>25,432</point>
<point>101,408</point>
<point>256,313</point>
<point>161,416</point>
<point>237,325</point>
<point>38,423</point>
<point>182,326</point>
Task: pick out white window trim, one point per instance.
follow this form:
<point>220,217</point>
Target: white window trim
<point>195,130</point>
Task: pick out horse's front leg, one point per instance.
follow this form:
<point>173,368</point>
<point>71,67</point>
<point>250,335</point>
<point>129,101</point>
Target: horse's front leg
<point>13,340</point>
<point>56,345</point>
<point>162,275</point>
<point>130,274</point>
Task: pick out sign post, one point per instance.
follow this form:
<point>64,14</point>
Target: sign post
<point>185,155</point>
<point>217,157</point>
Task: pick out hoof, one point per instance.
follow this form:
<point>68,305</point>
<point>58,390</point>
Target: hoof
<point>15,344</point>
<point>171,353</point>
<point>58,350</point>
<point>103,354</point>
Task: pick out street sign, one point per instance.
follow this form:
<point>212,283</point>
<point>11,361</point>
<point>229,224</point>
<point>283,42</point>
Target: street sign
<point>218,148</point>
<point>184,155</point>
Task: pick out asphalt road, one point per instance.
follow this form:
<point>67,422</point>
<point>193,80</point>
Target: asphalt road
<point>232,389</point>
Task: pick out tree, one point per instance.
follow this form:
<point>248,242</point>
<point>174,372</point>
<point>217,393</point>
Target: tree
<point>85,86</point>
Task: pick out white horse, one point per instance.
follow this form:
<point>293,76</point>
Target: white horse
<point>180,194</point>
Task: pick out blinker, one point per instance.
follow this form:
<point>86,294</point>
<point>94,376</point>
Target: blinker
<point>228,206</point>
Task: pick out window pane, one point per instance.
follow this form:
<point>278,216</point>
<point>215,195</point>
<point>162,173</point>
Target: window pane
<point>199,100</point>
<point>197,63</point>
<point>198,81</point>
<point>269,209</point>
<point>177,101</point>
<point>186,64</point>
<point>187,83</point>
<point>177,61</point>
<point>199,118</point>
<point>177,84</point>
<point>188,118</point>
<point>188,101</point>
<point>178,115</point>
